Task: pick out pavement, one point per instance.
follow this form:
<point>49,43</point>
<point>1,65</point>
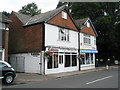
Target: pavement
<point>23,78</point>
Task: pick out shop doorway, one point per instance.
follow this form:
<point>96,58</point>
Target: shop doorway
<point>61,63</point>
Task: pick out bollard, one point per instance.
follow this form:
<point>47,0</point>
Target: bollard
<point>107,67</point>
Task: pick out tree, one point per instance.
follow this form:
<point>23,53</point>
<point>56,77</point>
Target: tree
<point>30,9</point>
<point>6,13</point>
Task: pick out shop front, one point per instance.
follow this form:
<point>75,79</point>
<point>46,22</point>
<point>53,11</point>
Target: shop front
<point>87,58</point>
<point>61,60</point>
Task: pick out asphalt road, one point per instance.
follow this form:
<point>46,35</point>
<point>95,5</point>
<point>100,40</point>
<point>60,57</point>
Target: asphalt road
<point>100,79</point>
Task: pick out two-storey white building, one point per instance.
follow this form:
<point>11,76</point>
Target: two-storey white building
<point>87,43</point>
<point>48,43</point>
<point>45,43</point>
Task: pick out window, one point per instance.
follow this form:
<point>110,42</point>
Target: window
<point>67,60</point>
<point>86,58</point>
<point>52,61</point>
<point>64,15</point>
<point>86,39</point>
<point>82,58</point>
<point>55,61</point>
<point>63,34</point>
<point>49,64</point>
<point>94,41</point>
<point>70,59</point>
<point>74,60</point>
<point>88,24</point>
<point>91,58</point>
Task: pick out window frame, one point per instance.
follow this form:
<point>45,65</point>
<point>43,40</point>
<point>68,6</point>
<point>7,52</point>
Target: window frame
<point>64,15</point>
<point>86,39</point>
<point>63,34</point>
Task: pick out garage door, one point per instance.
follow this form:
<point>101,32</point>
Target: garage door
<point>18,63</point>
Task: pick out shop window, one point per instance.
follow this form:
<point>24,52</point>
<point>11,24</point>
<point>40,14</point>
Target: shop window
<point>74,60</point>
<point>91,58</point>
<point>49,64</point>
<point>63,34</point>
<point>55,61</point>
<point>67,60</point>
<point>82,58</point>
<point>87,58</point>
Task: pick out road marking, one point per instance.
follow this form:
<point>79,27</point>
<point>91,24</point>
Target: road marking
<point>99,80</point>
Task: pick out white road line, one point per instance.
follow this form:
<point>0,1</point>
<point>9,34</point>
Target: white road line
<point>99,80</point>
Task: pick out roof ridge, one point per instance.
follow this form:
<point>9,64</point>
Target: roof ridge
<point>21,13</point>
<point>46,17</point>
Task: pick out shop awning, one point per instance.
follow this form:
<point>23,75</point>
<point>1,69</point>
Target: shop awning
<point>88,51</point>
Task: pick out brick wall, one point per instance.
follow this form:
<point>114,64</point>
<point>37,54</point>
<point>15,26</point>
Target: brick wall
<point>58,20</point>
<point>24,39</point>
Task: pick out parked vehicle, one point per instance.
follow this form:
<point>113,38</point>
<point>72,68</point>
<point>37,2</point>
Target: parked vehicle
<point>7,73</point>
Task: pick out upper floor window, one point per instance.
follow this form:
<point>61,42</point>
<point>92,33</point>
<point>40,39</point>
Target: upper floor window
<point>94,41</point>
<point>88,24</point>
<point>86,39</point>
<point>63,34</point>
<point>64,15</point>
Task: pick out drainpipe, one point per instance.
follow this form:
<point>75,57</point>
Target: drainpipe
<point>43,45</point>
<point>79,49</point>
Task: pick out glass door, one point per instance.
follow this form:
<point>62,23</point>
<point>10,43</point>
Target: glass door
<point>61,62</point>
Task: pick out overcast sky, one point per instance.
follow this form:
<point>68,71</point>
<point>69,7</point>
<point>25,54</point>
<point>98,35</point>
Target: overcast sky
<point>16,5</point>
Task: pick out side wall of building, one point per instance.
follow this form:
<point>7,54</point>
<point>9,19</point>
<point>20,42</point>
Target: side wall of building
<point>24,39</point>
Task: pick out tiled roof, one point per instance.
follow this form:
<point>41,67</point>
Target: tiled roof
<point>22,17</point>
<point>4,18</point>
<point>43,17</point>
<point>80,22</point>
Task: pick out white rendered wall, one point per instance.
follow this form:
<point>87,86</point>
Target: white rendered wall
<point>51,37</point>
<point>87,67</point>
<point>85,46</point>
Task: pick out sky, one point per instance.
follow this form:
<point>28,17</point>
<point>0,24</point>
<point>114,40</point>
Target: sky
<point>16,5</point>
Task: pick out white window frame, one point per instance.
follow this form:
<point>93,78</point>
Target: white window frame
<point>94,41</point>
<point>86,39</point>
<point>64,15</point>
<point>89,58</point>
<point>63,34</point>
<point>88,24</point>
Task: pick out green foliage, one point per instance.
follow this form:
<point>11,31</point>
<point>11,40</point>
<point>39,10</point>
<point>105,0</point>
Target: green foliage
<point>6,13</point>
<point>30,9</point>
